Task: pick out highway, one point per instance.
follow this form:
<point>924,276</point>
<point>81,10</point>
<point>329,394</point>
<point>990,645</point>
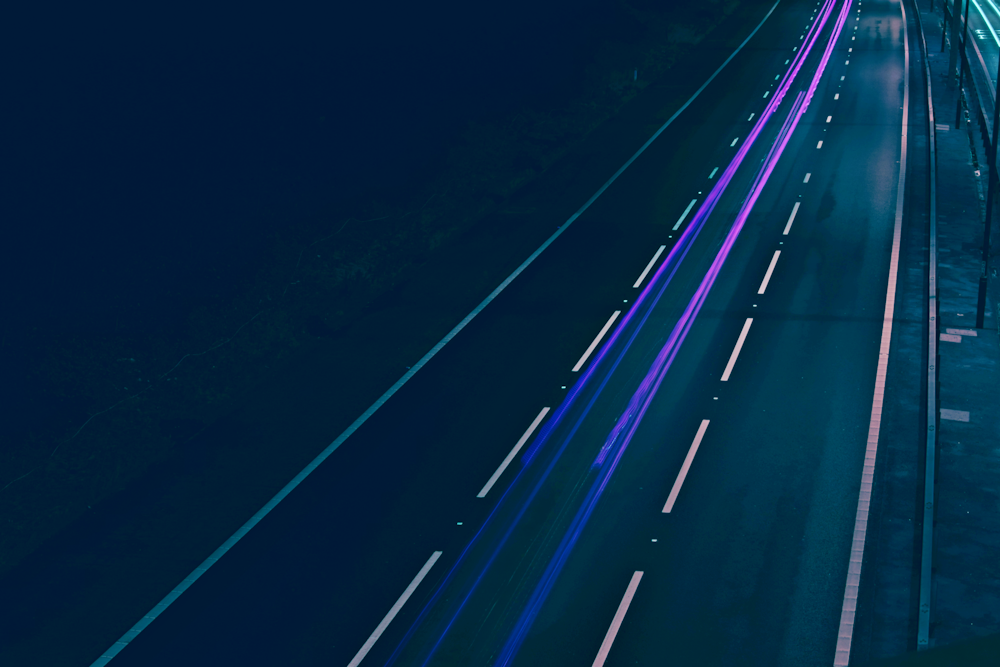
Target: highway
<point>687,473</point>
<point>984,26</point>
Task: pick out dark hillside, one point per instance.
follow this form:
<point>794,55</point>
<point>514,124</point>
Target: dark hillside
<point>192,194</point>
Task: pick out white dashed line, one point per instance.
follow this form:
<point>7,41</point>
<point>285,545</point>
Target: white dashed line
<point>616,623</point>
<point>806,179</point>
<point>600,335</point>
<point>819,144</point>
<point>736,350</point>
<point>682,475</point>
<point>714,172</point>
<point>684,215</point>
<point>829,118</point>
<point>770,270</point>
<point>766,93</point>
<point>395,610</point>
<point>734,142</point>
<point>791,218</point>
<point>750,118</point>
<point>510,457</point>
<point>836,96</point>
<point>642,276</point>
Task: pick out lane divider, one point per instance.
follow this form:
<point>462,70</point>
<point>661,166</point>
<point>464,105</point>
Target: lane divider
<point>645,272</point>
<point>684,215</point>
<point>593,344</point>
<point>616,622</point>
<point>736,350</point>
<point>510,457</point>
<point>367,646</point>
<point>791,219</point>
<point>682,475</point>
<point>770,270</point>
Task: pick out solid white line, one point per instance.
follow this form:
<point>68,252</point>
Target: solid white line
<point>845,632</point>
<point>714,172</point>
<point>791,218</point>
<point>609,638</point>
<point>682,475</point>
<point>642,276</point>
<point>736,350</point>
<point>770,269</point>
<point>600,335</point>
<point>395,610</point>
<point>806,179</point>
<point>169,599</point>
<point>684,214</point>
<point>513,453</point>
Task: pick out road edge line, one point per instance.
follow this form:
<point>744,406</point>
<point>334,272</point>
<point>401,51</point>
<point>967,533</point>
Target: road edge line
<point>845,633</point>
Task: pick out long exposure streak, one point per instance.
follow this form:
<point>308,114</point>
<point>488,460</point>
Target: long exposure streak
<point>633,320</point>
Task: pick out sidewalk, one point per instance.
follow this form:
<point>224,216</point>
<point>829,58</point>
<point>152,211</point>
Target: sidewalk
<point>966,562</point>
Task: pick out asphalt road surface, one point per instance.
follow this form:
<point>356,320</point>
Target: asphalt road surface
<point>747,421</point>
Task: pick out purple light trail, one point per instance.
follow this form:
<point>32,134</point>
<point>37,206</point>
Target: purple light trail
<point>644,395</point>
<point>669,267</point>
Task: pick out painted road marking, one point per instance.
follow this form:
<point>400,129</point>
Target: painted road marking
<point>845,631</point>
<point>510,457</point>
<point>963,332</point>
<point>806,179</point>
<point>791,219</point>
<point>766,93</point>
<point>841,78</point>
<point>770,270</point>
<point>645,272</point>
<point>682,475</point>
<point>836,96</point>
<point>955,415</point>
<point>590,349</point>
<point>395,610</point>
<point>736,350</point>
<point>819,144</point>
<point>950,338</point>
<point>750,118</point>
<point>734,142</point>
<point>829,118</point>
<point>714,172</point>
<point>684,215</point>
<point>616,623</point>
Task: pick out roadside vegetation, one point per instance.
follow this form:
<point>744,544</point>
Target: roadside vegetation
<point>118,404</point>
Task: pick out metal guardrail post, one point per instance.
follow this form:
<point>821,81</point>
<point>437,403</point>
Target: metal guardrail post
<point>987,223</point>
<point>962,64</point>
<point>930,439</point>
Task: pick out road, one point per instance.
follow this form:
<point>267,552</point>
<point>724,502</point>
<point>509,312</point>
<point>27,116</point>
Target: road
<point>773,380</point>
<point>984,24</point>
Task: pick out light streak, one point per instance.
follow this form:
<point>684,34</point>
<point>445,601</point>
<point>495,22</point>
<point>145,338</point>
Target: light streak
<point>627,424</point>
<point>660,280</point>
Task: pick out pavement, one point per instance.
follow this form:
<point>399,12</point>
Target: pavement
<point>691,493</point>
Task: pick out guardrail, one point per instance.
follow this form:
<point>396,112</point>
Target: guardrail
<point>930,424</point>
